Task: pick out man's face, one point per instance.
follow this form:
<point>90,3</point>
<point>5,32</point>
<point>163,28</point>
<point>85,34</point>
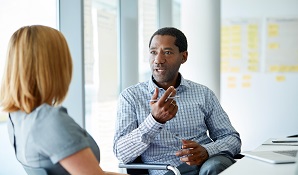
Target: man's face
<point>165,59</point>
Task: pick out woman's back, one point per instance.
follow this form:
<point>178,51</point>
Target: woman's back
<point>47,135</point>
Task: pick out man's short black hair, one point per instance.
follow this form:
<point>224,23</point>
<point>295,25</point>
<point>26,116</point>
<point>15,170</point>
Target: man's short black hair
<point>181,41</point>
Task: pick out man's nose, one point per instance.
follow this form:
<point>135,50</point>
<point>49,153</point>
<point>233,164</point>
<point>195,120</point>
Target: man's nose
<point>159,59</point>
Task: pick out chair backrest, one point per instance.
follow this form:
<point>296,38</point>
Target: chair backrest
<point>35,171</point>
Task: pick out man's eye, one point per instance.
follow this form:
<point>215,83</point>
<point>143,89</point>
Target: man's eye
<point>153,52</point>
<point>168,52</point>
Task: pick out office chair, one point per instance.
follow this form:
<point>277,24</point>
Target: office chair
<point>35,171</point>
<point>137,167</point>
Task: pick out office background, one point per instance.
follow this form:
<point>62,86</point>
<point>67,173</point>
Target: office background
<point>109,43</point>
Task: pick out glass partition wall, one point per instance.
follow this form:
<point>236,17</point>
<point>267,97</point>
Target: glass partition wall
<point>101,75</point>
<point>102,63</point>
<point>101,37</point>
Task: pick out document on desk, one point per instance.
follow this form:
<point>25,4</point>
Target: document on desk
<point>282,141</point>
<point>276,157</point>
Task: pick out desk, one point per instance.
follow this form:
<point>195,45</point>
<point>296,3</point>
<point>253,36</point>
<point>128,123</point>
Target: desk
<point>249,166</point>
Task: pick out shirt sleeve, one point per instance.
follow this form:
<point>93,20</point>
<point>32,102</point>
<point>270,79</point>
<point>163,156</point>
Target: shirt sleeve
<point>132,140</point>
<point>59,136</point>
<point>226,138</point>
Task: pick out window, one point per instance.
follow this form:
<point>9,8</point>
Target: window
<point>147,26</point>
<point>101,75</point>
<point>149,21</point>
<point>13,15</point>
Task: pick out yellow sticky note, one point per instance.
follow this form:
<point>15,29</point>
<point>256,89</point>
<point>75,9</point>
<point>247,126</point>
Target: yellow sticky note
<point>246,77</point>
<point>231,78</point>
<point>235,69</point>
<point>280,78</point>
<point>231,85</point>
<point>273,30</point>
<point>273,45</point>
<point>274,68</point>
<point>246,84</point>
<point>253,67</point>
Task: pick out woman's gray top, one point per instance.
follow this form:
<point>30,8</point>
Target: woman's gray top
<point>46,136</point>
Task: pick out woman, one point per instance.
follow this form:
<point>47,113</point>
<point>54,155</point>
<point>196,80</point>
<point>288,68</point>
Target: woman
<point>36,79</point>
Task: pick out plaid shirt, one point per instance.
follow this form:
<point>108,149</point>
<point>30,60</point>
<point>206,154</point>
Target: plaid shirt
<point>200,117</point>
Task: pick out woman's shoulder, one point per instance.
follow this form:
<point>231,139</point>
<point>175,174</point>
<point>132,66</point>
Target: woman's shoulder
<point>49,117</point>
<point>54,121</point>
<point>47,112</point>
<point>48,109</point>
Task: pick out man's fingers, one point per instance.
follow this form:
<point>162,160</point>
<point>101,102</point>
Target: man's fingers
<point>191,157</point>
<point>189,144</point>
<point>154,96</point>
<point>192,153</point>
<point>171,91</point>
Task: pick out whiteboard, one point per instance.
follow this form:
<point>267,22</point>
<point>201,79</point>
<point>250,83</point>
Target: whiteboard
<point>259,68</point>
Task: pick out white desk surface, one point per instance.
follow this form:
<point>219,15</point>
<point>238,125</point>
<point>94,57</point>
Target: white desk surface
<point>249,166</point>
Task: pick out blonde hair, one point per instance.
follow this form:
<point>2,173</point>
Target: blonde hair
<point>38,69</point>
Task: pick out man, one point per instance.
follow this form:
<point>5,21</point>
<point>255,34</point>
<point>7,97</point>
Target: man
<point>169,119</point>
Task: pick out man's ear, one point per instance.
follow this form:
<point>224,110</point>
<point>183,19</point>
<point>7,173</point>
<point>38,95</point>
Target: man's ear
<point>184,57</point>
